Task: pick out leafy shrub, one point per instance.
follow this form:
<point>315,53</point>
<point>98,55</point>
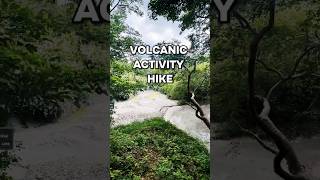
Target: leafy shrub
<point>35,88</point>
<point>45,62</point>
<point>124,81</point>
<point>229,90</point>
<point>199,82</point>
<point>155,149</point>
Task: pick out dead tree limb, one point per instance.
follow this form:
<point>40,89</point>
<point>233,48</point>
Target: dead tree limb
<point>199,111</point>
<point>272,69</point>
<point>293,74</point>
<point>244,23</point>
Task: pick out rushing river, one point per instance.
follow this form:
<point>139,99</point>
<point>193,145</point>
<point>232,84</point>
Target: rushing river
<point>239,158</point>
<point>149,104</point>
<point>74,147</point>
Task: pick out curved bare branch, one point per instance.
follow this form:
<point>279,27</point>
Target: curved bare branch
<point>262,118</point>
<point>199,111</point>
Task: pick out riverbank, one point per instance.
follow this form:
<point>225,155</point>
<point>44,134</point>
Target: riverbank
<point>151,104</point>
<point>74,147</point>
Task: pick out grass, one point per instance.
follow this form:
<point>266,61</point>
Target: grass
<point>155,149</point>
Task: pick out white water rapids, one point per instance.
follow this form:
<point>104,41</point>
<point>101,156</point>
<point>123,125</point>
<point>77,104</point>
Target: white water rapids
<point>149,104</point>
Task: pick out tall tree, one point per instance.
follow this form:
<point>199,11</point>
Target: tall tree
<point>248,40</point>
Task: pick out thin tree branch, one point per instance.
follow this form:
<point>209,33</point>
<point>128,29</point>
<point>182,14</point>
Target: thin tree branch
<point>260,141</point>
<point>271,69</point>
<point>315,75</point>
<point>204,17</point>
<point>115,6</point>
<point>292,75</point>
<point>244,23</point>
<point>167,107</point>
<point>299,60</point>
<point>313,102</point>
<point>199,111</point>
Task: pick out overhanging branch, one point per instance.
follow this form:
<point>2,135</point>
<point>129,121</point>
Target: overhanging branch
<point>199,111</point>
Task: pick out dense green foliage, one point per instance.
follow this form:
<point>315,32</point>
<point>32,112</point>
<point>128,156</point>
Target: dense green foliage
<point>155,149</point>
<point>46,60</point>
<point>125,81</point>
<point>199,83</point>
<point>192,15</point>
<point>295,103</point>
